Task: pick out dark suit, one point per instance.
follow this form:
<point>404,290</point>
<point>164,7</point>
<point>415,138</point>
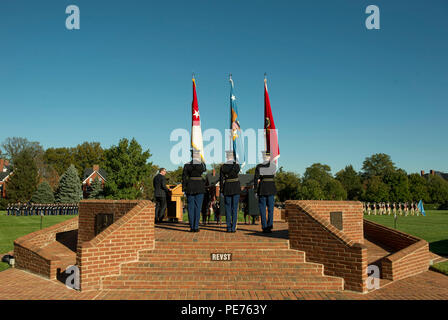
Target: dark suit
<point>194,187</point>
<point>266,190</point>
<point>160,193</point>
<point>231,188</point>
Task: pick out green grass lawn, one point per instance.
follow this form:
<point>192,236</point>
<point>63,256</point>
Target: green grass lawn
<point>433,227</point>
<point>12,227</point>
<point>441,267</point>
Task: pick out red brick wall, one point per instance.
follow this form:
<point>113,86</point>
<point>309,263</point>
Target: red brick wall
<point>352,215</point>
<point>30,253</point>
<point>411,254</point>
<point>119,243</point>
<point>88,209</point>
<point>312,233</point>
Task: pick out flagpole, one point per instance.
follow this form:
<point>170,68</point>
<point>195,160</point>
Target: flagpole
<point>264,120</point>
<point>230,132</point>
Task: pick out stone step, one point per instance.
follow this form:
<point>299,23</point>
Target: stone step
<point>262,255</point>
<point>222,245</point>
<point>221,268</point>
<point>261,281</point>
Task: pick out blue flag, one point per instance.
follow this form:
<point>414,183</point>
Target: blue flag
<point>237,137</point>
<point>420,207</point>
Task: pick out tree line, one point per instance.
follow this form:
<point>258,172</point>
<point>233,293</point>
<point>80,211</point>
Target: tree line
<point>378,181</point>
<point>55,175</point>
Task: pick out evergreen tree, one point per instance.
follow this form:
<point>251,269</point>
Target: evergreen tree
<point>43,194</point>
<point>96,191</point>
<point>69,190</point>
<point>23,181</point>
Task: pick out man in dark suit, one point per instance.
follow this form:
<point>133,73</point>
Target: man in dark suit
<point>231,189</point>
<point>160,193</point>
<point>264,186</point>
<point>194,187</point>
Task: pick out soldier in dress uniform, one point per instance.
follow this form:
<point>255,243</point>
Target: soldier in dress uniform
<point>412,208</point>
<point>369,210</point>
<point>374,208</point>
<point>400,212</point>
<point>388,208</point>
<point>231,189</point>
<point>406,209</point>
<point>193,185</point>
<point>8,208</point>
<point>264,186</point>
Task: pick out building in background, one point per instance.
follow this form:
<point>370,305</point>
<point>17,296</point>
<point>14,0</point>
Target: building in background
<point>90,174</point>
<point>434,173</point>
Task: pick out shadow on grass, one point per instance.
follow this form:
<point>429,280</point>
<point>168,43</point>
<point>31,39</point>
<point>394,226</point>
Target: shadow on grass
<point>439,247</point>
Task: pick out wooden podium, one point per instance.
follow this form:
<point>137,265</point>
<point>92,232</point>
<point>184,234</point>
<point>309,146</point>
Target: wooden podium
<point>174,203</point>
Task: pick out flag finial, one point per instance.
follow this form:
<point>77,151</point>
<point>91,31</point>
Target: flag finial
<point>192,75</point>
<point>265,74</point>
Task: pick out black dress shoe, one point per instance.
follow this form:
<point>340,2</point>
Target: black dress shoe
<point>192,230</point>
<point>228,231</point>
<point>265,230</point>
<point>197,230</point>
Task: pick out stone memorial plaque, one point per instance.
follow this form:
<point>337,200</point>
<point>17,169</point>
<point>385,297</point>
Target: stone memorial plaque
<point>336,219</point>
<point>102,221</point>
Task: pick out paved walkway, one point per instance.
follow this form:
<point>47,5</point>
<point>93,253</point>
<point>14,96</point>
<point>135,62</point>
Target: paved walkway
<point>21,285</point>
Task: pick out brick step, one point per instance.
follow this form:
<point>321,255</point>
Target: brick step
<point>233,267</point>
<point>264,255</point>
<point>259,281</point>
<point>222,245</point>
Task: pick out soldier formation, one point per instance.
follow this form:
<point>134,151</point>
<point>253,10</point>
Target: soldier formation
<point>386,208</point>
<point>45,209</point>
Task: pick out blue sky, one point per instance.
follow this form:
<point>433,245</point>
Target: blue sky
<point>339,92</point>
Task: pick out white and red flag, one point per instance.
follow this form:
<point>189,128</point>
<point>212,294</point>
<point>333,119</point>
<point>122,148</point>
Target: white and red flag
<point>196,132</point>
<point>269,127</point>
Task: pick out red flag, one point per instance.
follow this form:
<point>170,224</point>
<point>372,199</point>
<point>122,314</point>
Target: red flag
<point>196,133</point>
<point>269,127</point>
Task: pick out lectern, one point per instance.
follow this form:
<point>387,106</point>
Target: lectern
<point>174,203</point>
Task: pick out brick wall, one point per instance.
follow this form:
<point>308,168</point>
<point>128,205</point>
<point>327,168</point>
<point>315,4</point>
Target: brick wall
<point>411,254</point>
<point>88,209</point>
<point>30,253</point>
<point>352,215</point>
<point>310,231</point>
<point>102,255</point>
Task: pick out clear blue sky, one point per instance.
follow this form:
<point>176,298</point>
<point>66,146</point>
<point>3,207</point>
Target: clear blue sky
<point>339,92</point>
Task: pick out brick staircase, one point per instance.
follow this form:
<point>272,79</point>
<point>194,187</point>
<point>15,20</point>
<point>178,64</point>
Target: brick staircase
<point>258,263</point>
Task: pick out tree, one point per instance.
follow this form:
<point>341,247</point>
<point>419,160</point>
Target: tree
<point>175,176</point>
<point>86,155</point>
<point>351,181</point>
<point>69,190</point>
<point>334,190</point>
<point>96,191</point>
<point>59,158</point>
<point>418,188</point>
<point>23,181</point>
<point>288,185</point>
<point>127,170</point>
<point>13,146</point>
<point>438,189</point>
<point>43,194</point>
<point>311,190</point>
<point>398,185</point>
<point>376,190</point>
<point>377,165</point>
<point>318,172</point>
